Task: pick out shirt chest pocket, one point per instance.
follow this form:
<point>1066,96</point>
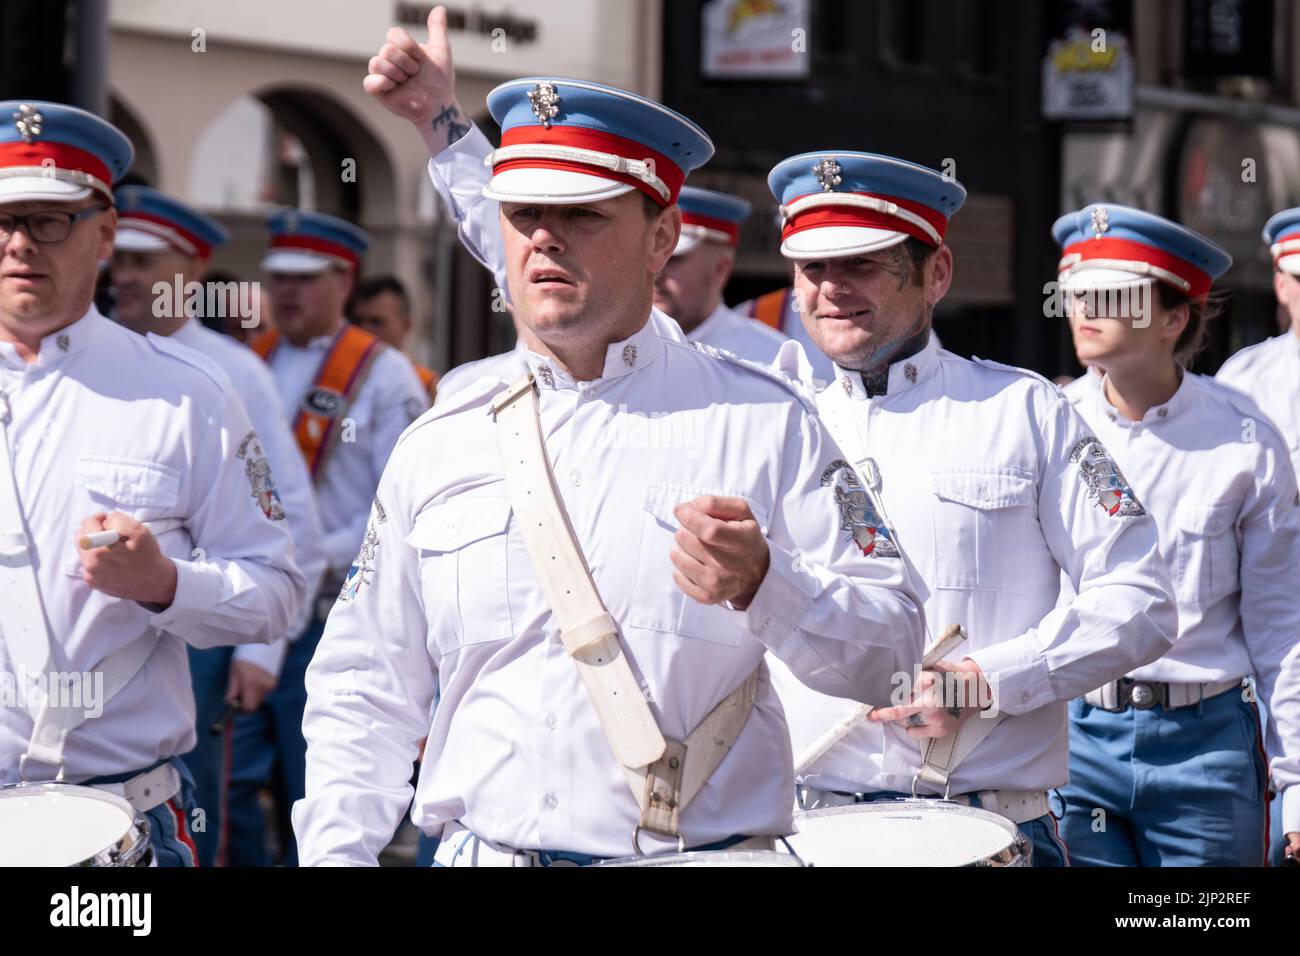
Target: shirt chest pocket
<point>144,490</point>
<point>656,602</point>
<point>982,525</point>
<point>1206,551</point>
<point>463,571</point>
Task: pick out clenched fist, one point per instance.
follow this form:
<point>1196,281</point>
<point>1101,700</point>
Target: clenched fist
<point>135,568</point>
<point>719,551</point>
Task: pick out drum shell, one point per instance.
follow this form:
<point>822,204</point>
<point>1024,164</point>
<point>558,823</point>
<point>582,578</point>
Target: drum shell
<point>132,848</point>
<point>710,858</point>
<point>1016,852</point>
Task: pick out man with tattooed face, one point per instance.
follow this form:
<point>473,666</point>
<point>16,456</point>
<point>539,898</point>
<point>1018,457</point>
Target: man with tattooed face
<point>981,500</point>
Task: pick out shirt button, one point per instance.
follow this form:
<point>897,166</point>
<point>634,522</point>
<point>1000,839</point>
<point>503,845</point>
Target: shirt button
<point>551,802</point>
<point>575,479</point>
<point>552,721</point>
<point>1025,697</point>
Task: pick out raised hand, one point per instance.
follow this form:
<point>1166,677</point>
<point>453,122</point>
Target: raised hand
<point>417,81</point>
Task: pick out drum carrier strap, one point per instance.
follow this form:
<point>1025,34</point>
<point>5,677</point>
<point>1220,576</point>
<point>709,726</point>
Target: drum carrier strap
<point>664,775</point>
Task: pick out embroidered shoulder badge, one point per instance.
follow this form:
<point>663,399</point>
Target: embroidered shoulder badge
<point>858,517</point>
<point>1103,478</point>
<point>258,471</point>
<point>364,564</point>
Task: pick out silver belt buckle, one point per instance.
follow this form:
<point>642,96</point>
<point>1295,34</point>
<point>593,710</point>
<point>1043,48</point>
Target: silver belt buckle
<point>1143,694</point>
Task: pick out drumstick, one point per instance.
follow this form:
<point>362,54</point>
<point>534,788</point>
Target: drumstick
<point>106,539</point>
<point>227,715</point>
<point>841,729</point>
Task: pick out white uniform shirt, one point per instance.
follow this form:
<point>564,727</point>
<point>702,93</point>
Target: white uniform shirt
<point>1085,385</point>
<point>445,600</point>
<point>390,398</point>
<point>513,365</point>
<point>982,482</point>
<point>506,366</point>
<point>1214,473</point>
<point>256,388</point>
<point>108,420</point>
<point>1270,374</point>
<point>741,336</point>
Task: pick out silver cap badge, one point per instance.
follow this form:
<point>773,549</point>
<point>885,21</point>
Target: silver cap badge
<point>828,172</point>
<point>545,102</point>
<point>28,122</point>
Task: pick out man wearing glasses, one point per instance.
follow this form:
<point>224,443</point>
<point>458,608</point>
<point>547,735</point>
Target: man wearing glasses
<point>137,514</point>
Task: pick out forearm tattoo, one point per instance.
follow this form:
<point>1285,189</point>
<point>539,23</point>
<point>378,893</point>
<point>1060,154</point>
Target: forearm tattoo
<point>450,117</point>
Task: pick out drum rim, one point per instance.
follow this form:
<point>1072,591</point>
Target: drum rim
<point>132,848</point>
<point>661,859</point>
<point>1016,853</point>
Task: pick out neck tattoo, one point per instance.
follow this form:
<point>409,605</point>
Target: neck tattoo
<point>876,380</point>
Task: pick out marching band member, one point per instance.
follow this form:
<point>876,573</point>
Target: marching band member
<point>699,555</point>
<point>986,478</point>
<point>162,246</point>
<point>348,397</point>
<point>1270,372</point>
<point>140,448</point>
<point>1167,763</point>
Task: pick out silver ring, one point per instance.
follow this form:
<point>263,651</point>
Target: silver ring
<point>915,720</point>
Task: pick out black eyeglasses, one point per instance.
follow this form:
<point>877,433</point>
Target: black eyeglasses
<point>48,225</point>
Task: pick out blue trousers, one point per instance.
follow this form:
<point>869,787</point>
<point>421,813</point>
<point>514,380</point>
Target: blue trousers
<point>1154,787</point>
<point>269,747</point>
<point>207,762</point>
<point>169,832</point>
<point>1041,832</point>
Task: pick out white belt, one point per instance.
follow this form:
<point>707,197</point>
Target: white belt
<point>147,790</point>
<point>461,847</point>
<point>1119,695</point>
<point>1018,806</point>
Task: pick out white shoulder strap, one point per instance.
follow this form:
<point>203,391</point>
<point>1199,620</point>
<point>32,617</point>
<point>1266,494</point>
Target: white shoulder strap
<point>664,775</point>
<point>24,628</point>
<point>55,720</point>
<point>588,632</point>
<point>26,631</point>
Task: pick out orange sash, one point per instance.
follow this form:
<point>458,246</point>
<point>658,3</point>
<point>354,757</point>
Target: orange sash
<point>336,384</point>
<point>770,307</point>
<point>428,378</point>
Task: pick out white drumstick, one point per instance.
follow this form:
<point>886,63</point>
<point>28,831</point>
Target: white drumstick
<point>842,728</point>
<point>106,539</point>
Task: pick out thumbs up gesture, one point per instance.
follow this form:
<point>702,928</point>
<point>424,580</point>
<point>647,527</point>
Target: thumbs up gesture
<point>417,82</point>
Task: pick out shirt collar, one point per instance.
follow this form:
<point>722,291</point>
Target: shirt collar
<point>188,333</point>
<point>904,374</point>
<point>621,358</point>
<point>716,318</point>
<point>59,345</point>
<point>1179,402</point>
